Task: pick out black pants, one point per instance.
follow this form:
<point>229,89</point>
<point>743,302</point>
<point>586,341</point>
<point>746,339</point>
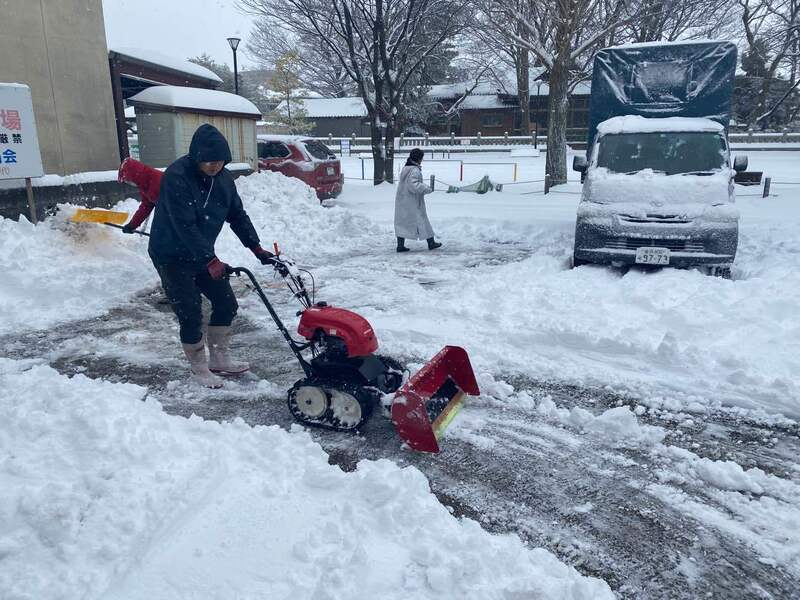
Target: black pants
<point>183,283</point>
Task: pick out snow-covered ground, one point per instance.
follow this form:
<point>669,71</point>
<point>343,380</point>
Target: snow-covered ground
<point>107,496</point>
<point>227,511</point>
<point>682,338</point>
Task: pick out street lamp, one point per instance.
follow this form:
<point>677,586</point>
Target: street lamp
<point>536,135</point>
<point>234,42</point>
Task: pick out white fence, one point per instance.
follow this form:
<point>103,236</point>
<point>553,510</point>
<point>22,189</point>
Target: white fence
<point>494,143</point>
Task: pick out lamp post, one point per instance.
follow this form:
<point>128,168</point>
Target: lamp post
<point>536,135</point>
<point>234,42</point>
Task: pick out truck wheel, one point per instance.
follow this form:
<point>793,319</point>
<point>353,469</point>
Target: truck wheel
<point>724,272</point>
<point>577,262</point>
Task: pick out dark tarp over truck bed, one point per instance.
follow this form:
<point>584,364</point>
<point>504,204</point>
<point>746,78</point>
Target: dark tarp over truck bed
<point>677,79</point>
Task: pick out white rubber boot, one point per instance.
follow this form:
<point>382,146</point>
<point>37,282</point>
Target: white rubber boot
<point>218,359</point>
<point>196,355</point>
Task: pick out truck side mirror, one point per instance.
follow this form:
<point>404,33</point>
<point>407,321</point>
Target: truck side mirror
<point>579,163</point>
<point>739,163</point>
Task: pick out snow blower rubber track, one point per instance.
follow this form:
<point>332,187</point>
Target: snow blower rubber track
<point>424,407</point>
<point>336,405</point>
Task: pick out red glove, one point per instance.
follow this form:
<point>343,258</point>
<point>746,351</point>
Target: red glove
<point>217,269</point>
<point>265,256</point>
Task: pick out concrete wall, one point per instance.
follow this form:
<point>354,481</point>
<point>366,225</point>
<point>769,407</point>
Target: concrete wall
<point>58,48</point>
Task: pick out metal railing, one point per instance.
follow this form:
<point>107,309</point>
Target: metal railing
<point>576,137</point>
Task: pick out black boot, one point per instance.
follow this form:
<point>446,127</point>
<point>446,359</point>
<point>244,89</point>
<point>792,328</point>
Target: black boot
<point>401,247</point>
<point>433,244</point>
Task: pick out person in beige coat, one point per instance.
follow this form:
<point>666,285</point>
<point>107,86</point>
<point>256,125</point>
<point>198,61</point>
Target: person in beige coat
<point>410,216</point>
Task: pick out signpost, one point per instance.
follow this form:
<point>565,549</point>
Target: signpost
<point>19,145</point>
<point>344,146</point>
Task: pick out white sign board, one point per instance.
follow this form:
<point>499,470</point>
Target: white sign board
<point>19,144</point>
<point>344,146</point>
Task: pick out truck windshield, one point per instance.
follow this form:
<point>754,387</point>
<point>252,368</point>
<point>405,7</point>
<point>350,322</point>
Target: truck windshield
<point>673,152</point>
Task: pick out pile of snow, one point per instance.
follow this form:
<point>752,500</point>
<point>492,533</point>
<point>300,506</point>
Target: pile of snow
<point>57,271</point>
<point>287,211</point>
<point>104,495</point>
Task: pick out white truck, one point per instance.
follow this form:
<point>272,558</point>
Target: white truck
<point>658,178</point>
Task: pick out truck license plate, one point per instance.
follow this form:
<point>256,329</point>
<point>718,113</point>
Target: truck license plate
<point>652,256</point>
<point>331,171</point>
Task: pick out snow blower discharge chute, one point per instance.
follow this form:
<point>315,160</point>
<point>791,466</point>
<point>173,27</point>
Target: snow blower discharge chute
<point>345,379</point>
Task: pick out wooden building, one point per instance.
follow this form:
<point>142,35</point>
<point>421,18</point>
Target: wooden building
<point>168,116</point>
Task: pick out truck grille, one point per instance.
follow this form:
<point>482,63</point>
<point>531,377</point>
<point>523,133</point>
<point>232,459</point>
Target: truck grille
<point>676,245</point>
<point>653,218</point>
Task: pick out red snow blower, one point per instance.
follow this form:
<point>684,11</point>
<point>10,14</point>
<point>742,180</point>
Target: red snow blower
<point>345,379</point>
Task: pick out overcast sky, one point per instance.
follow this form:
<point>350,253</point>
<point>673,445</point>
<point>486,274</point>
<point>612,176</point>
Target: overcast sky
<point>180,28</point>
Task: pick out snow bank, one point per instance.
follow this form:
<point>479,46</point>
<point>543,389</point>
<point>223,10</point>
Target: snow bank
<point>57,271</point>
<point>104,495</point>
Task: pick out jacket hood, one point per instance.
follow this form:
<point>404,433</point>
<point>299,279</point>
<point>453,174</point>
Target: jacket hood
<point>209,145</point>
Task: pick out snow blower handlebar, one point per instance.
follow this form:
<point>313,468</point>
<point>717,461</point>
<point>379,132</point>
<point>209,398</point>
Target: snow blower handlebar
<point>297,347</point>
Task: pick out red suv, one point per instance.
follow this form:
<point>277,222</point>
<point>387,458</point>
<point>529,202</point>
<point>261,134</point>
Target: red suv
<point>305,158</point>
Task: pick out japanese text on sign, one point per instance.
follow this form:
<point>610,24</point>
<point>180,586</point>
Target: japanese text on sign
<point>19,145</point>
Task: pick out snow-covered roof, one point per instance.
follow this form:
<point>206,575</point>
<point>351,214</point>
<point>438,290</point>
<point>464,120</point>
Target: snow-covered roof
<point>637,124</point>
<point>173,96</point>
<point>451,90</point>
<point>320,108</point>
<point>483,102</point>
<point>158,59</point>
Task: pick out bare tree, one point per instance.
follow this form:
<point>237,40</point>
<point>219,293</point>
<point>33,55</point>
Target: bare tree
<point>562,35</point>
<point>772,32</point>
<point>497,42</point>
<point>671,20</point>
<point>381,44</point>
<point>320,71</point>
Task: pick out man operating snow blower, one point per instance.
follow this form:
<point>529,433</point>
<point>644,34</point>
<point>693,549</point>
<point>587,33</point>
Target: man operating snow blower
<point>196,198</point>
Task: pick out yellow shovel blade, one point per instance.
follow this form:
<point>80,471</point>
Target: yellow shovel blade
<point>96,215</point>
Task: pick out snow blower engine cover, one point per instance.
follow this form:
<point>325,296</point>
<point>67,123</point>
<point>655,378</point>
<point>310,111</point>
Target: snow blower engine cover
<point>354,330</point>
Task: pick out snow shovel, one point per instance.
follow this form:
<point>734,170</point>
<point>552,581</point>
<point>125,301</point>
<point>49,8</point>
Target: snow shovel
<point>424,407</point>
<point>96,215</point>
<point>111,218</point>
